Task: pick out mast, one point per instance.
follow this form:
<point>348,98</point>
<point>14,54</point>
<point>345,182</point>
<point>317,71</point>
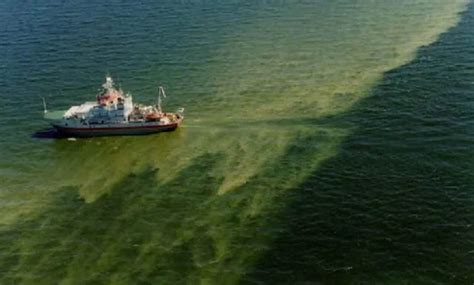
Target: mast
<point>109,83</point>
<point>161,92</point>
<point>45,110</point>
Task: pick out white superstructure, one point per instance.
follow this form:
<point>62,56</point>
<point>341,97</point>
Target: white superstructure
<point>115,114</point>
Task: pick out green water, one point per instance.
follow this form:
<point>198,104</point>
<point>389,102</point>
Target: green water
<point>320,144</point>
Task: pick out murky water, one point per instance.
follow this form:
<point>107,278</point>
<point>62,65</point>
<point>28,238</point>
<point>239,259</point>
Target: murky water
<point>320,144</point>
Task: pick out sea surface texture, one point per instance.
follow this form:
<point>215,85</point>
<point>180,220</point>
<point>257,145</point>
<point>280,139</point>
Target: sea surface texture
<point>325,142</point>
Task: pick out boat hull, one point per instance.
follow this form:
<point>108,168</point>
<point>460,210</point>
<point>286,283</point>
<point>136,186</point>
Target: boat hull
<point>118,130</point>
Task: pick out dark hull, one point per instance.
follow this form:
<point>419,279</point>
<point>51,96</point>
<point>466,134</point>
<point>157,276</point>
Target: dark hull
<point>122,130</point>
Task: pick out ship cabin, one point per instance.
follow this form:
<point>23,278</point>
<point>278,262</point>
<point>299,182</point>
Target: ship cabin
<point>112,107</point>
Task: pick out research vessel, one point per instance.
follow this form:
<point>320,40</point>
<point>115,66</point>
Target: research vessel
<point>115,113</point>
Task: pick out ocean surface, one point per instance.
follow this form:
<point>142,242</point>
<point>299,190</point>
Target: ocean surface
<point>325,142</point>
